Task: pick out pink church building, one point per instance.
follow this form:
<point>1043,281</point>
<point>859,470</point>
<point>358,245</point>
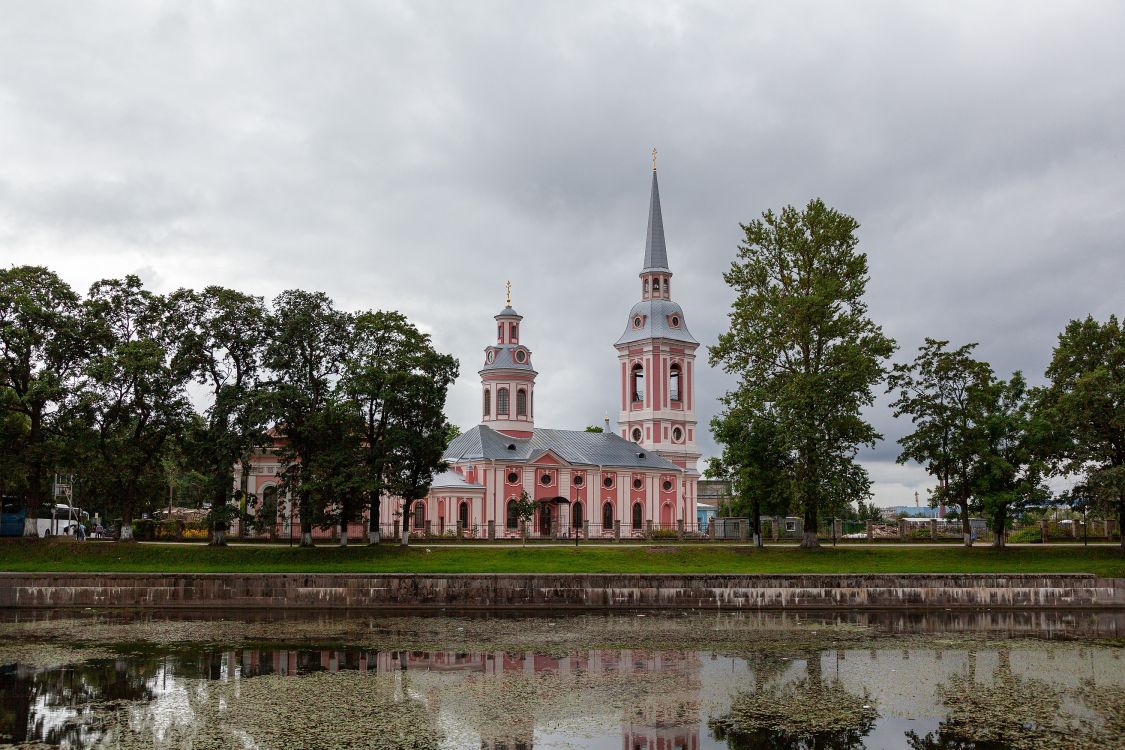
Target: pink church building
<point>596,484</point>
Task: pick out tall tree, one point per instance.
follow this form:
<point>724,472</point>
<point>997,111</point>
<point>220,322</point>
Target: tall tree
<point>304,356</point>
<point>1085,405</point>
<point>939,391</point>
<point>42,348</point>
<point>803,347</point>
<point>222,346</point>
<point>418,433</point>
<point>135,398</point>
<point>755,461</point>
<point>1007,475</point>
<point>387,356</point>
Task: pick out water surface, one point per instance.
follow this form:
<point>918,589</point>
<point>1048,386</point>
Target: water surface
<point>653,680</point>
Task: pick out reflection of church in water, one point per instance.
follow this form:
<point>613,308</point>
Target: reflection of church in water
<point>656,720</point>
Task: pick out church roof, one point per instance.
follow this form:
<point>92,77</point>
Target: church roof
<point>656,252</point>
<point>656,314</point>
<point>505,359</point>
<point>573,446</point>
<point>450,479</point>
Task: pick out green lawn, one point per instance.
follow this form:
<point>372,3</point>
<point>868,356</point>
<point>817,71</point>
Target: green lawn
<point>66,555</point>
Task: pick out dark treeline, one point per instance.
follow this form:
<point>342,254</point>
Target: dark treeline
<point>98,387</point>
<point>808,358</point>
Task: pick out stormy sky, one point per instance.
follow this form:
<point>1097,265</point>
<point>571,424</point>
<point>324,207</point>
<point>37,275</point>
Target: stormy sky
<point>416,155</point>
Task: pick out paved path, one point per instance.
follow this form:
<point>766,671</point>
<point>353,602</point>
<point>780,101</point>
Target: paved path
<point>663,543</point>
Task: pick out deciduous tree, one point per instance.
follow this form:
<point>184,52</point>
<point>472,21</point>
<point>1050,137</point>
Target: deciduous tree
<point>135,396</point>
<point>803,347</point>
<point>1085,407</point>
<point>222,347</point>
<point>937,391</point>
<point>42,349</point>
<point>304,356</point>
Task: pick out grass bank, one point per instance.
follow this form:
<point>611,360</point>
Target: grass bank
<point>70,556</point>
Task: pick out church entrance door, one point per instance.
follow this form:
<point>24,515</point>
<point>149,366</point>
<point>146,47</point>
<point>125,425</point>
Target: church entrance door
<point>666,516</point>
<point>545,519</point>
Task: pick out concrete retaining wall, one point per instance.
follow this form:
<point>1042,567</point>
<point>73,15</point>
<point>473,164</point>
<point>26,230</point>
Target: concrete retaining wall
<point>507,591</point>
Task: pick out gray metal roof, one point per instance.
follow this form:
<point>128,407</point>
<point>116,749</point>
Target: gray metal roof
<point>508,312</point>
<point>506,360</point>
<point>656,313</point>
<point>451,479</point>
<point>574,447</point>
<point>656,253</point>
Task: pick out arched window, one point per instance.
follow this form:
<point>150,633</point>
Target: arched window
<point>674,382</point>
<point>638,383</point>
<point>607,516</point>
<point>487,403</point>
<point>576,512</point>
<point>656,286</point>
<point>463,514</point>
<point>502,402</point>
<point>521,403</point>
<point>646,286</point>
<point>513,517</point>
<point>638,516</point>
<point>500,333</point>
<point>419,514</point>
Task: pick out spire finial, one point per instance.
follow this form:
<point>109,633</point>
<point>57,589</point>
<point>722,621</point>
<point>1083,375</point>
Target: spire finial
<point>654,158</point>
<point>509,300</point>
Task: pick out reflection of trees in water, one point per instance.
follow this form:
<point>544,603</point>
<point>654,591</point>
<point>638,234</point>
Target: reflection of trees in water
<point>61,706</point>
<point>1006,711</point>
<point>812,713</point>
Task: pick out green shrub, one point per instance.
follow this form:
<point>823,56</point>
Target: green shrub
<point>1025,535</point>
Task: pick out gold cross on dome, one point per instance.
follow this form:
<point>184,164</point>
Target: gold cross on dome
<point>653,158</point>
<point>509,285</point>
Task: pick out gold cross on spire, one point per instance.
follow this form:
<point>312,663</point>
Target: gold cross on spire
<point>509,285</point>
<point>654,158</point>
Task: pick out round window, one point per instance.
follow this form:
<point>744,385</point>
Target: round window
<point>577,480</point>
<point>677,434</point>
<point>636,434</point>
<point>607,482</point>
<point>675,322</point>
<point>638,483</point>
<point>490,357</point>
<point>545,479</point>
<point>638,322</point>
<point>513,477</point>
<point>667,485</point>
<point>521,356</point>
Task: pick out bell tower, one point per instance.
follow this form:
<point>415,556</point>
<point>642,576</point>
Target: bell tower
<point>656,354</point>
<point>507,378</point>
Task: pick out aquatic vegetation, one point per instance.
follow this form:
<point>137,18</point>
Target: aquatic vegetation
<point>804,708</point>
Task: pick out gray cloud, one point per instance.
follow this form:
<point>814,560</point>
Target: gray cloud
<point>415,156</point>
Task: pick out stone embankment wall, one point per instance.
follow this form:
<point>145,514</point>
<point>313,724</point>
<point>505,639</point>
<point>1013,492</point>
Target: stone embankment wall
<point>555,591</point>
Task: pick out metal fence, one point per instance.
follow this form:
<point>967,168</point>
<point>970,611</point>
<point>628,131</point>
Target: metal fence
<point>773,529</point>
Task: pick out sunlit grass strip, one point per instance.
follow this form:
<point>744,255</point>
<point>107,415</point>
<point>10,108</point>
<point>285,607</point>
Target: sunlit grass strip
<point>70,556</point>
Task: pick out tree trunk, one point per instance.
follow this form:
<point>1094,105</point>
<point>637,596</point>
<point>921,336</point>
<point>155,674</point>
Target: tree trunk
<point>126,531</point>
<point>1121,523</point>
<point>808,539</point>
<point>373,520</point>
<point>343,534</point>
<point>218,538</point>
<point>306,532</point>
<point>966,527</point>
<point>34,496</point>
<point>757,511</point>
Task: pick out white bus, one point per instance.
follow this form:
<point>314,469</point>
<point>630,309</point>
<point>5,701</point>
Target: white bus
<point>59,519</point>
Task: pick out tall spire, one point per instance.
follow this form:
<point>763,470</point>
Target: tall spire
<point>656,253</point>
